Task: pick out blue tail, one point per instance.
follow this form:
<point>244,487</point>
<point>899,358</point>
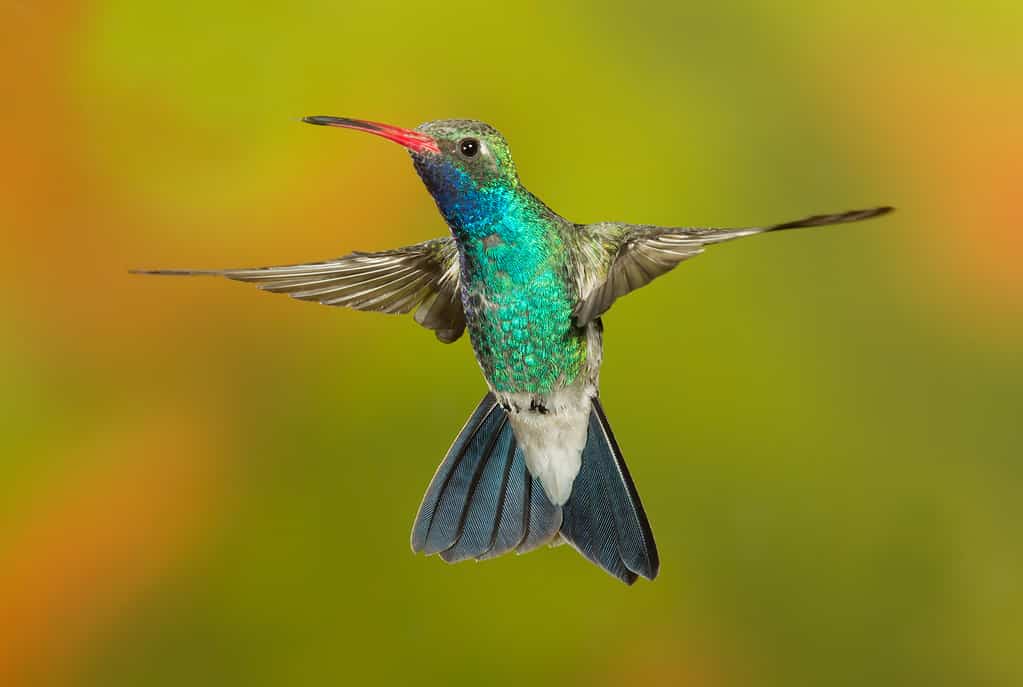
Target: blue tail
<point>483,502</point>
<point>604,518</point>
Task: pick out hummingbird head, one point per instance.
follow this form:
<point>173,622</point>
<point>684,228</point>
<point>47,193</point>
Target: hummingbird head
<point>465,164</point>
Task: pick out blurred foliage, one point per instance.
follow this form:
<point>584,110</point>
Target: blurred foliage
<point>205,485</point>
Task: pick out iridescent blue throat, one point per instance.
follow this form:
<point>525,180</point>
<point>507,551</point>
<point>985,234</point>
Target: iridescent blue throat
<point>516,295</point>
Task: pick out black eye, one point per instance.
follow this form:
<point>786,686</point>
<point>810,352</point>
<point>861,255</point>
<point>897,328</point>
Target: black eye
<point>469,146</point>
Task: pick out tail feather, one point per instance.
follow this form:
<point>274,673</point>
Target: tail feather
<point>483,502</point>
<point>443,474</point>
<point>544,518</point>
<point>442,512</point>
<point>449,517</point>
<point>589,523</point>
<point>513,512</point>
<point>483,507</point>
<point>604,518</point>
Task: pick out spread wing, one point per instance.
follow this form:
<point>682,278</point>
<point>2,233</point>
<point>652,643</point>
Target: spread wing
<point>423,278</point>
<point>639,254</point>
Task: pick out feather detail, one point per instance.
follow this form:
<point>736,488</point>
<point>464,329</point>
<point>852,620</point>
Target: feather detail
<point>423,278</point>
<point>482,501</point>
<point>604,518</point>
<point>637,254</point>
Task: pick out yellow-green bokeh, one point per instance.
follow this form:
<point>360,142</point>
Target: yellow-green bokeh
<point>206,485</point>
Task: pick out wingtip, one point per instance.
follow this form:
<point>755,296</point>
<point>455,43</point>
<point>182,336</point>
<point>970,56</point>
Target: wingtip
<point>174,273</point>
<point>146,271</point>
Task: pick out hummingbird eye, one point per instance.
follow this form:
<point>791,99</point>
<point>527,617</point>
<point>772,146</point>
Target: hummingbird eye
<point>469,147</point>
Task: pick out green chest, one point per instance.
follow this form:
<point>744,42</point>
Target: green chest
<point>521,327</point>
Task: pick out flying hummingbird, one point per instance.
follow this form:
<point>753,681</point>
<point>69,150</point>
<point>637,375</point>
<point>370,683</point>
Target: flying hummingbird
<point>536,463</point>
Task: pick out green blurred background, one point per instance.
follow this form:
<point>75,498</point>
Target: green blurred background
<point>205,485</point>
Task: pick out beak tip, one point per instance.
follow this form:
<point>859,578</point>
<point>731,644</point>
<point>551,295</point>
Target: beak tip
<point>415,141</point>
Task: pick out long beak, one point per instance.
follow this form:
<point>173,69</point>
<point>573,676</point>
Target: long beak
<point>413,140</point>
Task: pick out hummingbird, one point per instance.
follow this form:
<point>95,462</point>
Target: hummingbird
<point>536,463</point>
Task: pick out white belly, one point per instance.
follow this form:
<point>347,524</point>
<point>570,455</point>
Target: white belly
<point>552,442</point>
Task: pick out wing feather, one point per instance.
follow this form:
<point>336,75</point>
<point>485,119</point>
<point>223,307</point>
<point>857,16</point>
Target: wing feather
<point>638,254</point>
<point>423,278</point>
